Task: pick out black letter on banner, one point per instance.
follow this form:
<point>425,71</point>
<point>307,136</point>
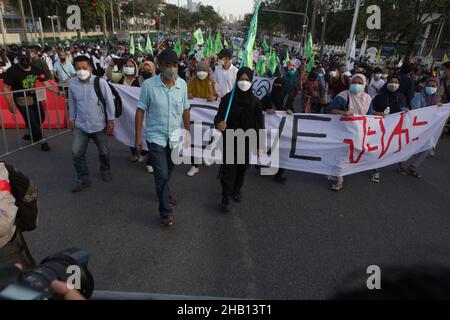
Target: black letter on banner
<point>296,134</point>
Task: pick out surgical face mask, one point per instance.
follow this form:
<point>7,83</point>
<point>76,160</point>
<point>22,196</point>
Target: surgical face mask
<point>129,71</point>
<point>244,85</point>
<point>356,88</point>
<point>139,60</point>
<point>291,72</point>
<point>320,75</point>
<point>392,87</point>
<point>169,73</point>
<point>115,68</point>
<point>333,74</point>
<point>377,76</point>
<point>83,74</point>
<point>430,90</point>
<point>202,75</point>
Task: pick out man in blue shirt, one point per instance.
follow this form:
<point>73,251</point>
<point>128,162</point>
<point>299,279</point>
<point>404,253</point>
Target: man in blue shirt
<point>164,103</point>
<point>64,70</point>
<point>89,119</point>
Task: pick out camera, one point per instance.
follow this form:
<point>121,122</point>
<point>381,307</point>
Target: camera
<point>35,284</point>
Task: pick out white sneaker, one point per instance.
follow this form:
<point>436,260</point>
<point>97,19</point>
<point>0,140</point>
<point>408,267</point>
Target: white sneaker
<point>142,158</point>
<point>193,171</point>
<point>150,169</point>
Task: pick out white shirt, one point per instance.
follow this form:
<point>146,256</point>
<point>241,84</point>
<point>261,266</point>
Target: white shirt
<point>49,61</point>
<point>225,79</point>
<point>375,87</point>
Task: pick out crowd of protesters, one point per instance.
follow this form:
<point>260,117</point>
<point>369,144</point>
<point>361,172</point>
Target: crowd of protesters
<point>326,86</point>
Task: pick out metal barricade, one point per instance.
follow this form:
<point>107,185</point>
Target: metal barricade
<point>33,102</point>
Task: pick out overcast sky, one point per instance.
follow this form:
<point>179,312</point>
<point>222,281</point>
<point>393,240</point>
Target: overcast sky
<point>235,7</point>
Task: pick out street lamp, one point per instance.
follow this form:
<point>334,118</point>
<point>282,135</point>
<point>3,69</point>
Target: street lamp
<point>53,26</point>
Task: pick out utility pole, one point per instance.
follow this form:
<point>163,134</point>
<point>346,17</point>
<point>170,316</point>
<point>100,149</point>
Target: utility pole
<point>324,27</point>
<point>24,22</point>
<point>179,31</point>
<point>120,15</point>
<point>305,26</point>
<point>352,31</point>
<point>313,20</point>
<point>104,24</point>
<point>112,16</point>
<point>32,19</point>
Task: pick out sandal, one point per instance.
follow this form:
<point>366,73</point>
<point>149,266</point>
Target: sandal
<point>337,186</point>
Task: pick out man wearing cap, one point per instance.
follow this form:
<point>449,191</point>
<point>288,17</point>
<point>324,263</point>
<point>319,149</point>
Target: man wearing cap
<point>225,73</point>
<point>164,103</point>
<point>22,76</point>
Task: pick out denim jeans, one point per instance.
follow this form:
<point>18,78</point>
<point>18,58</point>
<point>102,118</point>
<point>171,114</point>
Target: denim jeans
<point>79,145</point>
<point>162,164</point>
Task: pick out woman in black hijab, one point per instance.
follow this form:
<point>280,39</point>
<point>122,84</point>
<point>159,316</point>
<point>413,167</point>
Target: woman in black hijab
<point>246,114</point>
<point>390,100</point>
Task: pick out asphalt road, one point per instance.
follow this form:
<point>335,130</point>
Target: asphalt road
<point>293,241</point>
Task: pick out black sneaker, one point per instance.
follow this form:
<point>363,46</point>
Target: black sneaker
<point>237,196</point>
<point>81,186</point>
<point>279,179</point>
<point>106,176</point>
<point>226,204</point>
<point>45,147</point>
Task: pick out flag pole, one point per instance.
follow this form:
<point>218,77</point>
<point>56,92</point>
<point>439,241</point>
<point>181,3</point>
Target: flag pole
<point>250,34</point>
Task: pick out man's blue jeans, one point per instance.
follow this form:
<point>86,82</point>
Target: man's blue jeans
<point>162,164</point>
<point>79,145</point>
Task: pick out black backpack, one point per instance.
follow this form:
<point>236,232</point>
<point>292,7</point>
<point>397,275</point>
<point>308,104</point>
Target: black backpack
<point>116,95</point>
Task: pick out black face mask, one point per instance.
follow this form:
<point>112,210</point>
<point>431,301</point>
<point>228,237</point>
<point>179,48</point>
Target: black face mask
<point>25,64</point>
<point>146,74</point>
<point>62,59</point>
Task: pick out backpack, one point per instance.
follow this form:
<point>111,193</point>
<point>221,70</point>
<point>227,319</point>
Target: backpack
<point>116,95</point>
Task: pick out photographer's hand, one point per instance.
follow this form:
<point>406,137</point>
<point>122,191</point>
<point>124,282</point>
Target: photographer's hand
<point>62,290</point>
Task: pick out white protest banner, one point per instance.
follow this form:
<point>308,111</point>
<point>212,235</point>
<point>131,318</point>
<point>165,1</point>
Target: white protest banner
<point>321,143</point>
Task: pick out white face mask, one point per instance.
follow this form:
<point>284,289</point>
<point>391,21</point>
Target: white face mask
<point>129,71</point>
<point>83,74</point>
<point>377,76</point>
<point>333,74</point>
<point>115,69</point>
<point>244,85</point>
<point>202,75</point>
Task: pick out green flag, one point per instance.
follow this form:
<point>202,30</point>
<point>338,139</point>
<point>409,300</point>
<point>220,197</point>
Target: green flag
<point>140,47</point>
<point>225,44</point>
<point>148,46</point>
<point>273,62</point>
<point>192,51</point>
<point>199,37</point>
<point>309,47</point>
<point>265,46</point>
<point>309,53</point>
<point>310,64</point>
<point>261,66</point>
<point>218,45</point>
<point>248,62</point>
<point>177,47</point>
<point>132,48</point>
<point>287,57</point>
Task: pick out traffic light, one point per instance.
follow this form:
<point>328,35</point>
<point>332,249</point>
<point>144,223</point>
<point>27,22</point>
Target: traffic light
<point>157,24</point>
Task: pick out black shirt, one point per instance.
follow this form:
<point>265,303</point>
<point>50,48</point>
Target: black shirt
<point>20,79</point>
